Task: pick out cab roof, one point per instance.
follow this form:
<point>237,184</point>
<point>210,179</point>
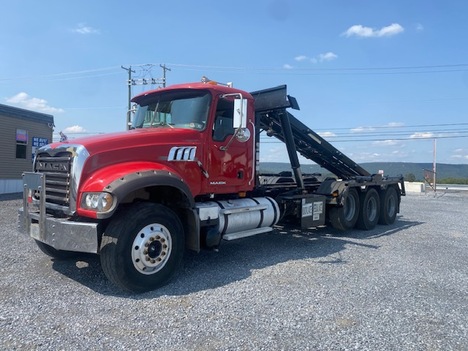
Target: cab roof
<point>214,88</point>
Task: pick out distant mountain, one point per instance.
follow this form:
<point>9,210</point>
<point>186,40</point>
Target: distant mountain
<point>444,171</point>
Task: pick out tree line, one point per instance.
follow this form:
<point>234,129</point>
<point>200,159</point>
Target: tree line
<point>410,177</point>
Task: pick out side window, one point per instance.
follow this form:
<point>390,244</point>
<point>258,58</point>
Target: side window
<point>223,121</point>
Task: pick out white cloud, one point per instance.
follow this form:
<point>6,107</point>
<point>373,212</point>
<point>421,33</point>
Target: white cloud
<point>74,130</point>
<point>328,56</point>
<point>422,135</point>
<point>365,156</point>
<point>419,27</point>
<point>359,30</point>
<point>390,30</point>
<point>274,154</point>
<point>395,124</point>
<point>362,129</point>
<point>460,157</point>
<point>460,154</point>
<point>31,103</point>
<point>82,28</point>
<point>327,134</point>
<point>287,66</point>
<point>388,142</point>
<point>300,58</point>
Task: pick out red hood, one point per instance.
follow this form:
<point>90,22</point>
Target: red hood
<point>135,138</point>
<point>150,145</point>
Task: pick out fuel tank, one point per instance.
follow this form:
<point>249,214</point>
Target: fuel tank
<point>243,216</point>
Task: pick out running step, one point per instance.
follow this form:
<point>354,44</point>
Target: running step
<point>246,233</point>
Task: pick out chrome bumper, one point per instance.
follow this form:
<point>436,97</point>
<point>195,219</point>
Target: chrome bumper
<point>60,233</point>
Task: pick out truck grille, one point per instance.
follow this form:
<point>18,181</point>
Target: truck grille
<point>57,169</point>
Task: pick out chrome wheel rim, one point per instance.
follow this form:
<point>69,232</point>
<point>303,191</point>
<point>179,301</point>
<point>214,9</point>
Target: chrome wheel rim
<point>151,248</point>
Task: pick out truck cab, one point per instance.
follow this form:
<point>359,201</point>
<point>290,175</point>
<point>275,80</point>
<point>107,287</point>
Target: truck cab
<point>217,144</point>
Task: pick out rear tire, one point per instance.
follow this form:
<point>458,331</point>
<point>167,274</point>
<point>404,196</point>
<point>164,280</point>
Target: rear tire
<point>142,247</point>
<point>370,210</point>
<point>388,205</point>
<point>345,217</point>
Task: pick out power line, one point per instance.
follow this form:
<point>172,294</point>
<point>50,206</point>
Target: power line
<point>412,132</point>
<point>91,73</point>
<point>329,71</point>
<point>407,138</point>
<point>400,126</point>
<point>71,75</point>
<point>431,137</point>
<point>396,133</point>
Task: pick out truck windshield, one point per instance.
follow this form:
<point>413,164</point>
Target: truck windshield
<point>181,109</point>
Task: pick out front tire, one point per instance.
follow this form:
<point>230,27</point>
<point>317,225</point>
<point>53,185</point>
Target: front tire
<point>142,247</point>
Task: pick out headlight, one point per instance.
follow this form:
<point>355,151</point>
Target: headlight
<point>99,202</point>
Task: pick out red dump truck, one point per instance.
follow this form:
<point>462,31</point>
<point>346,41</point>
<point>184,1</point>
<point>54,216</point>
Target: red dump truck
<point>186,176</point>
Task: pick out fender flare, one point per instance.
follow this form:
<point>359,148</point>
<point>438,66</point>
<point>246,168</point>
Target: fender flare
<point>133,181</point>
<point>124,185</point>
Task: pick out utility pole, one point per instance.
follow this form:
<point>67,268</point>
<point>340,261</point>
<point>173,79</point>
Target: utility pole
<point>164,67</point>
<point>129,114</point>
<point>434,165</point>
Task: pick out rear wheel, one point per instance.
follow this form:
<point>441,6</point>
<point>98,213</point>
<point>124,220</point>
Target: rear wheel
<point>345,217</point>
<point>370,210</point>
<point>388,205</point>
<point>142,247</point>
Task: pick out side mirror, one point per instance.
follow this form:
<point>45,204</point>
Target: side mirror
<point>239,121</point>
<point>242,135</point>
<point>240,113</point>
<point>130,114</point>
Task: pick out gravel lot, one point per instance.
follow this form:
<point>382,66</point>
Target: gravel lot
<point>399,287</point>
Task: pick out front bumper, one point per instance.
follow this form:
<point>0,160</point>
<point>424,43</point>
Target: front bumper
<point>59,233</point>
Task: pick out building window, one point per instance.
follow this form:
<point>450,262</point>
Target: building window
<point>21,143</point>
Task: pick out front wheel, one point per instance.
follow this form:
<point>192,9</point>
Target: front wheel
<point>142,247</point>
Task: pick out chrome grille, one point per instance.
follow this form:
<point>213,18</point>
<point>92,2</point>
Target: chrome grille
<point>57,169</point>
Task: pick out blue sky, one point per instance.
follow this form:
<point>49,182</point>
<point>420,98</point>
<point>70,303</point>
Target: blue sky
<point>381,80</point>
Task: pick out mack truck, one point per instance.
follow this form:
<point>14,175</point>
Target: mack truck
<point>186,175</point>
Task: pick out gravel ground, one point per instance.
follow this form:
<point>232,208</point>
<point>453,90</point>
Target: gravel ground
<point>398,287</point>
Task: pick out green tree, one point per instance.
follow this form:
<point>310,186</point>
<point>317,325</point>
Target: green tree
<point>410,177</point>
